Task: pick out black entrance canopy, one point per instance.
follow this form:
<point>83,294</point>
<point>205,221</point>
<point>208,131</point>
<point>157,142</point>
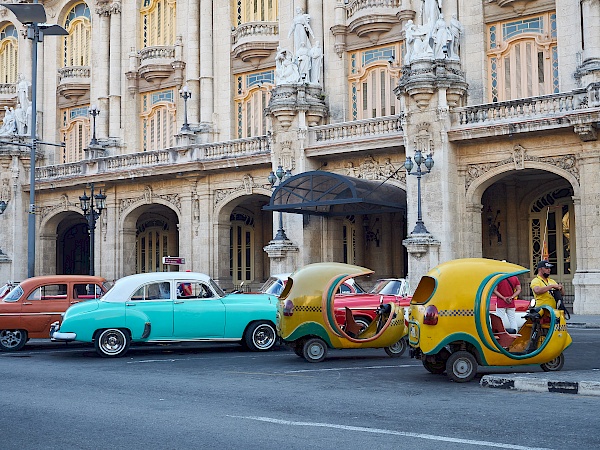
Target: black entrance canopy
<point>330,194</point>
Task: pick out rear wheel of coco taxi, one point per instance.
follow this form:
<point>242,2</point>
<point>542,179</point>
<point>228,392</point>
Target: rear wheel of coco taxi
<point>396,350</point>
<point>555,365</point>
<point>314,350</point>
<point>461,366</point>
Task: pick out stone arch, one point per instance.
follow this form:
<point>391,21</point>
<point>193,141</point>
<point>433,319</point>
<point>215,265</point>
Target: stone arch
<point>252,201</point>
<point>128,221</point>
<point>53,226</point>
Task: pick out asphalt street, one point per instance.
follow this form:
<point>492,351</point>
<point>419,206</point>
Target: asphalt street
<point>221,397</point>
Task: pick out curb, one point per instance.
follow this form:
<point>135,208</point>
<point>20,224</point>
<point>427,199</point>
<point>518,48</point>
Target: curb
<point>541,385</point>
<point>583,325</point>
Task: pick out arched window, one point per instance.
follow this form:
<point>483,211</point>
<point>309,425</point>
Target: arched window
<point>255,11</point>
<point>151,244</point>
<point>158,22</point>
<point>372,82</point>
<point>75,129</point>
<point>9,60</point>
<point>241,249</point>
<point>252,97</point>
<point>523,58</point>
<point>76,47</point>
<point>158,119</point>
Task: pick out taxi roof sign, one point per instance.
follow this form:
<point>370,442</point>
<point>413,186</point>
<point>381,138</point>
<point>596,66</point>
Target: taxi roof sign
<point>176,261</point>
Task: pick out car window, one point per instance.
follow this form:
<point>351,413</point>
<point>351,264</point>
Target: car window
<point>153,291</point>
<point>217,289</point>
<point>273,286</point>
<point>193,290</point>
<point>49,292</point>
<point>87,291</point>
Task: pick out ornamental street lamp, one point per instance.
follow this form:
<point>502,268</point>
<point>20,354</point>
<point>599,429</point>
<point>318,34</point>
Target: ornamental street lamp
<point>275,179</point>
<point>185,94</point>
<point>408,165</point>
<point>94,111</point>
<point>92,213</point>
<point>33,15</point>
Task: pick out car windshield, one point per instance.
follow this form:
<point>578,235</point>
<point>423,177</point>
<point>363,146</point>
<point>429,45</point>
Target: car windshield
<point>387,287</point>
<point>273,286</point>
<point>14,295</point>
<point>216,288</point>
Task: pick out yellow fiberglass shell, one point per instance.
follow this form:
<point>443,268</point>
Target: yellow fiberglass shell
<point>461,290</point>
<point>311,289</point>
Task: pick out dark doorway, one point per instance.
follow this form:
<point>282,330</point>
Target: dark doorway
<point>75,251</point>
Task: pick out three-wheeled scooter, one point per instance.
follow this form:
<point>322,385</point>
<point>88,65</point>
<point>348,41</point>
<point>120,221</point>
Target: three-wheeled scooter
<point>306,315</point>
<point>452,330</point>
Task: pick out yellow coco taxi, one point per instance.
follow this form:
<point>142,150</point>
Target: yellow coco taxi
<point>452,330</point>
<point>306,315</point>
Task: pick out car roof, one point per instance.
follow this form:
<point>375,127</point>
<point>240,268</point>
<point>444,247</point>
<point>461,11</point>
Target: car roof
<point>45,279</point>
<point>140,278</point>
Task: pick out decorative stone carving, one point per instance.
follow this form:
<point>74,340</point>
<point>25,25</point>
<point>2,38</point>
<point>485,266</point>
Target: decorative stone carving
<point>371,169</point>
<point>247,185</point>
<point>586,132</point>
<point>518,158</point>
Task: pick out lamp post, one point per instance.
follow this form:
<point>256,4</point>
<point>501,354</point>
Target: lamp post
<point>92,214</point>
<point>408,165</point>
<point>185,94</point>
<point>33,15</point>
<point>275,179</point>
<point>94,111</point>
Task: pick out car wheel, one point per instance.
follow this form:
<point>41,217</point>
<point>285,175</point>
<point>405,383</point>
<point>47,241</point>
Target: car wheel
<point>260,336</point>
<point>298,349</point>
<point>436,367</point>
<point>554,365</point>
<point>112,343</point>
<point>397,349</point>
<point>461,366</point>
<point>12,340</point>
<point>314,350</point>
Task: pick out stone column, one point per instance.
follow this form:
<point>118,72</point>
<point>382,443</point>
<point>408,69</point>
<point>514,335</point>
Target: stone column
<point>206,96</point>
<point>191,50</point>
<point>589,71</point>
<point>568,29</point>
<point>100,74</point>
<point>423,255</point>
<point>337,67</point>
<point>586,280</point>
<point>116,73</point>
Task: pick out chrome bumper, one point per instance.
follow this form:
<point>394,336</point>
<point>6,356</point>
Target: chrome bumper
<point>56,335</point>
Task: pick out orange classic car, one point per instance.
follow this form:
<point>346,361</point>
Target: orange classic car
<point>29,309</point>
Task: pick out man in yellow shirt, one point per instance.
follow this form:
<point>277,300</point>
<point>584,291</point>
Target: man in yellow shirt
<point>542,284</point>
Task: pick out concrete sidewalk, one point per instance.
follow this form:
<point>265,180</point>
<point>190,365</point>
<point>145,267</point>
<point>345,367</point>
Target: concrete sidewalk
<point>586,382</point>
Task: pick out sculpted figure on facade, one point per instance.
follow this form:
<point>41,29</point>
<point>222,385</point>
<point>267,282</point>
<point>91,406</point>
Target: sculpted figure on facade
<point>441,38</point>
<point>9,122</point>
<point>303,59</point>
<point>456,31</point>
<point>316,61</point>
<point>417,46</point>
<point>301,30</point>
<point>430,13</point>
<point>23,111</point>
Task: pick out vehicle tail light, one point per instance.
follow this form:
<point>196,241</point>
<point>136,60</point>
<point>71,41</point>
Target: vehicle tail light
<point>431,315</point>
<point>288,308</point>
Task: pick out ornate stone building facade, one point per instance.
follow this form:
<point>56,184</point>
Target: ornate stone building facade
<point>503,94</point>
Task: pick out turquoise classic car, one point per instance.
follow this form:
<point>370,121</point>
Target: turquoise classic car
<point>169,307</point>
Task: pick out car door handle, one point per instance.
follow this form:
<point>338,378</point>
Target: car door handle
<point>72,303</point>
<point>28,303</point>
<point>129,304</point>
<point>178,302</point>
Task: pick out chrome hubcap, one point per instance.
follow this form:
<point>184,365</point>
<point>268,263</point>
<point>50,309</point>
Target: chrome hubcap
<point>10,338</point>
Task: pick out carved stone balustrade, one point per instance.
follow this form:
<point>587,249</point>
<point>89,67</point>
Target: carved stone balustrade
<point>156,62</point>
<point>254,41</point>
<point>576,109</point>
<point>8,94</point>
<point>73,81</point>
<point>372,18</point>
<point>359,135</point>
<point>213,156</point>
